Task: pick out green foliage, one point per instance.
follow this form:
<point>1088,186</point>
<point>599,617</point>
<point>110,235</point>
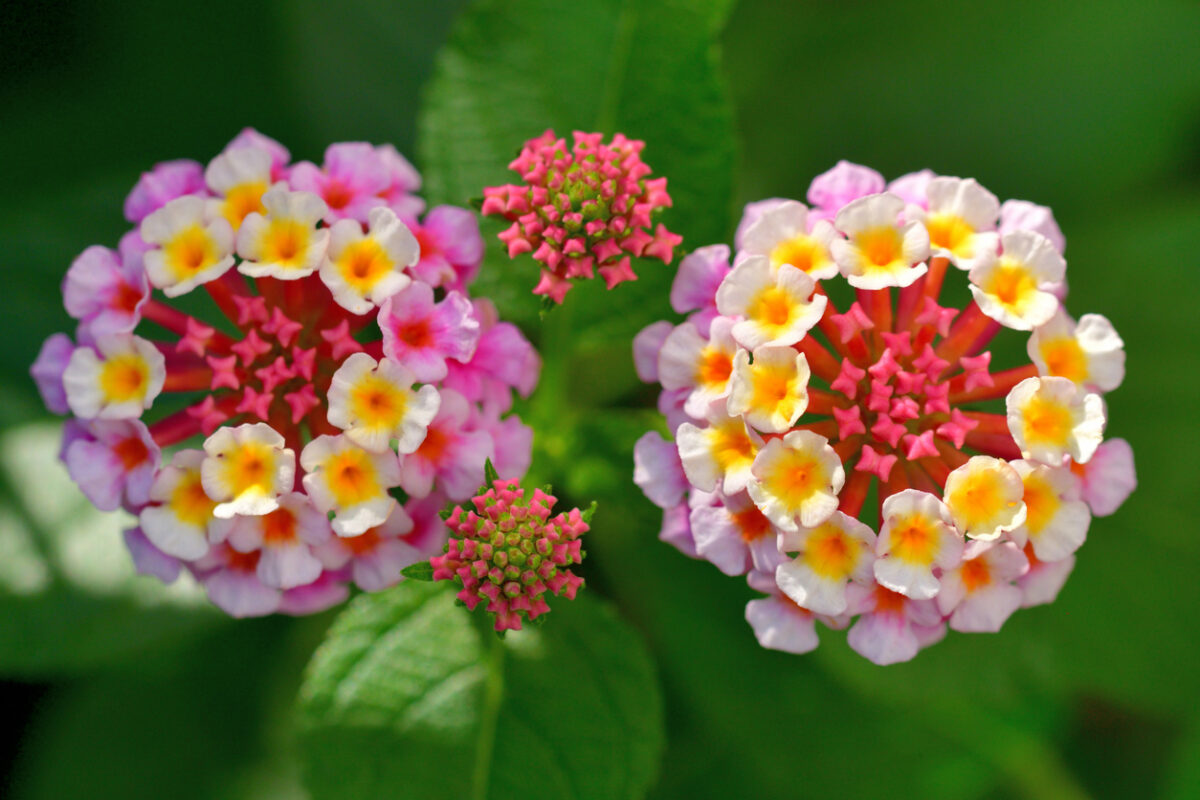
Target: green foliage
<point>647,69</point>
<point>420,571</point>
<point>408,696</point>
<point>195,724</point>
<point>69,597</point>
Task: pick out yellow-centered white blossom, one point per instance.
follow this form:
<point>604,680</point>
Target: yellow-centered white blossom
<point>689,361</point>
<point>777,306</point>
<point>181,512</point>
<point>374,402</point>
<point>772,392</point>
<point>240,177</point>
<point>1088,353</point>
<point>119,379</point>
<point>246,468</point>
<point>984,497</point>
<point>284,243</point>
<point>961,221</point>
<point>191,245</point>
<point>796,480</point>
<point>918,535</point>
<point>839,550</point>
<point>878,251</point>
<point>362,270</point>
<point>1052,418</point>
<point>1016,288</point>
<point>350,482</point>
<point>1058,519</point>
<point>782,235</point>
<point>718,456</point>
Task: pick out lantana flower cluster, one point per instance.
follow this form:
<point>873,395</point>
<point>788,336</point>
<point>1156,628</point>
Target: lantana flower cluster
<point>790,411</point>
<point>508,552</point>
<point>584,209</point>
<point>305,433</point>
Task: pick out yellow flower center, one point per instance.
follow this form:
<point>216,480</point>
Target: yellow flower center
<point>881,248</point>
<point>1041,503</point>
<point>830,553</point>
<point>1046,421</point>
<point>191,251</point>
<point>1065,359</point>
<point>914,539</point>
<point>242,200</point>
<point>124,378</point>
<point>249,468</point>
<point>352,478</point>
<point>771,307</point>
<point>363,263</point>
<point>731,445</point>
<point>772,386</point>
<point>802,252</point>
<point>796,477</point>
<point>190,502</point>
<point>1011,284</point>
<point>978,498</point>
<point>949,231</point>
<point>286,243</point>
<point>377,403</point>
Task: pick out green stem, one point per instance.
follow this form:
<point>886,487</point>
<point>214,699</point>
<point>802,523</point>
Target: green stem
<point>550,408</point>
<point>493,695</point>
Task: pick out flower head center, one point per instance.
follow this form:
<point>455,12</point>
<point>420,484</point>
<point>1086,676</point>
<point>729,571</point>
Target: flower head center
<point>801,252</point>
<point>337,195</point>
<point>751,523</point>
<point>279,527</point>
<point>131,452</point>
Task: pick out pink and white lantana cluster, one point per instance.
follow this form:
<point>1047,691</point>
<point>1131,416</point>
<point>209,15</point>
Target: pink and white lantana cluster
<point>786,411</point>
<point>309,438</point>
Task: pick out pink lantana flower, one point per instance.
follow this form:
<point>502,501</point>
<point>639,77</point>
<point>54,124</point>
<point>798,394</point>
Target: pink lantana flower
<point>262,444</point>
<point>582,209</point>
<point>403,183</point>
<point>114,464</point>
<point>421,335</point>
<point>695,286</point>
<point>449,453</point>
<point>105,290</point>
<point>845,182</point>
<point>984,476</point>
<point>377,556</point>
<point>890,627</point>
<point>352,181</point>
<point>778,622</point>
<point>451,247</point>
<point>503,359</point>
<point>163,184</point>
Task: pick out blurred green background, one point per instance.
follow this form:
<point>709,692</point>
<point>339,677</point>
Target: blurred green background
<point>117,689</point>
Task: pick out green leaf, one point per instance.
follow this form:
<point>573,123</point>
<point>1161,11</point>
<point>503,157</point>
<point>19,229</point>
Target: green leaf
<point>407,697</point>
<point>180,726</point>
<point>490,476</point>
<point>646,68</point>
<point>420,571</point>
<point>69,596</point>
